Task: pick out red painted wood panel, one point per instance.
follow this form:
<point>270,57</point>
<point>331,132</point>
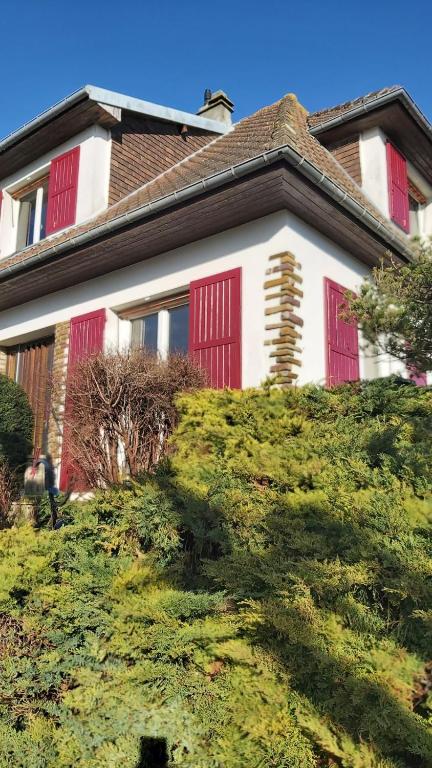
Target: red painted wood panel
<point>85,338</point>
<point>398,187</point>
<point>62,191</point>
<point>342,338</point>
<point>215,327</point>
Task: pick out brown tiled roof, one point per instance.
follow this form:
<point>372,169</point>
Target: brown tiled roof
<point>280,124</point>
<point>321,117</point>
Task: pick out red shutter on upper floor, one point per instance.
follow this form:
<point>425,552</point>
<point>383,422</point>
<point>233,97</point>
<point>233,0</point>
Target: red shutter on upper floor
<point>85,338</point>
<point>215,327</point>
<point>397,187</point>
<point>342,338</point>
<point>62,191</point>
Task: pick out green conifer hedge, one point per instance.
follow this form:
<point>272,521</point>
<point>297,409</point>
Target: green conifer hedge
<point>265,600</point>
<point>16,424</point>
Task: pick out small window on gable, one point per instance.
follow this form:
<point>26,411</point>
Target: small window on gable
<point>32,212</point>
<point>161,326</point>
<point>414,208</point>
<point>416,202</point>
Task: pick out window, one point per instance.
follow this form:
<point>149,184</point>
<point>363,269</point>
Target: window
<point>49,203</point>
<point>165,330</point>
<point>414,208</point>
<point>32,213</point>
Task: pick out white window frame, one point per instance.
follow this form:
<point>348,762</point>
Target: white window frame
<point>12,194</point>
<point>20,235</point>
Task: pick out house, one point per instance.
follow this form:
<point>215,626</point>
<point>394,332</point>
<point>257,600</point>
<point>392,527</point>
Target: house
<point>128,223</point>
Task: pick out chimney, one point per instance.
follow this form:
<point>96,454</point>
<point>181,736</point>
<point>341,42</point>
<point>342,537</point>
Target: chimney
<point>217,106</point>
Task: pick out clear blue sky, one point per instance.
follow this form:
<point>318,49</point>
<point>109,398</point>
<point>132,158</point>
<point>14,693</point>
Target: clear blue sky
<point>170,51</point>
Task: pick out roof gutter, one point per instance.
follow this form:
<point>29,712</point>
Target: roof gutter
<point>297,161</point>
<point>369,106</point>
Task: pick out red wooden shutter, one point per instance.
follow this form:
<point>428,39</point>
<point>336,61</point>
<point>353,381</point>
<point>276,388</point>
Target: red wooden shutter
<point>85,338</point>
<point>342,338</point>
<point>215,327</point>
<point>62,191</point>
<point>398,187</point>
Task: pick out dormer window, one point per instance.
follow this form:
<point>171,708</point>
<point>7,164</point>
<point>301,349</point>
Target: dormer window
<point>46,203</point>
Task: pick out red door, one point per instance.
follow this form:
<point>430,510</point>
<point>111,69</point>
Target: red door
<point>342,338</point>
<point>215,327</point>
<point>85,338</point>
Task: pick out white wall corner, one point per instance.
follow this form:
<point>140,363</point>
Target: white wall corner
<point>373,163</point>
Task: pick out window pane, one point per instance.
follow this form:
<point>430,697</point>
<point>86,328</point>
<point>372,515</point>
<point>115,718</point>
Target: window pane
<point>31,221</point>
<point>150,332</point>
<point>42,233</point>
<point>145,332</point>
<point>179,329</point>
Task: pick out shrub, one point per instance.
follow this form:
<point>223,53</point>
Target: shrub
<point>264,599</point>
<point>8,489</point>
<point>16,424</point>
<point>120,410</point>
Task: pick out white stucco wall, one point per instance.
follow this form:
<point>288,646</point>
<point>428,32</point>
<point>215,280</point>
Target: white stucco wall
<point>425,211</point>
<point>93,182</point>
<point>373,163</point>
<point>249,247</point>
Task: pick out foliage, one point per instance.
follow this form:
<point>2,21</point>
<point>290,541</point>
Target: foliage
<point>120,410</point>
<point>8,490</point>
<point>395,310</point>
<point>264,599</point>
<point>16,424</point>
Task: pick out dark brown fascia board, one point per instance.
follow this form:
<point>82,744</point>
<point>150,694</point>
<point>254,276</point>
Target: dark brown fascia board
<point>39,139</point>
<point>268,190</point>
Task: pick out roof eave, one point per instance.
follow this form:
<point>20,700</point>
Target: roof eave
<point>214,181</point>
<point>399,94</point>
<point>44,117</point>
<point>112,99</point>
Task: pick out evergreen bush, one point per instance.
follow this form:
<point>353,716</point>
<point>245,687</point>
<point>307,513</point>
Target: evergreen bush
<point>16,424</point>
<point>264,600</point>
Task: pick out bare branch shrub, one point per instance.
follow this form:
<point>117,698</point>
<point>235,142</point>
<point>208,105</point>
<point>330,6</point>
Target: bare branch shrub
<point>120,409</point>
